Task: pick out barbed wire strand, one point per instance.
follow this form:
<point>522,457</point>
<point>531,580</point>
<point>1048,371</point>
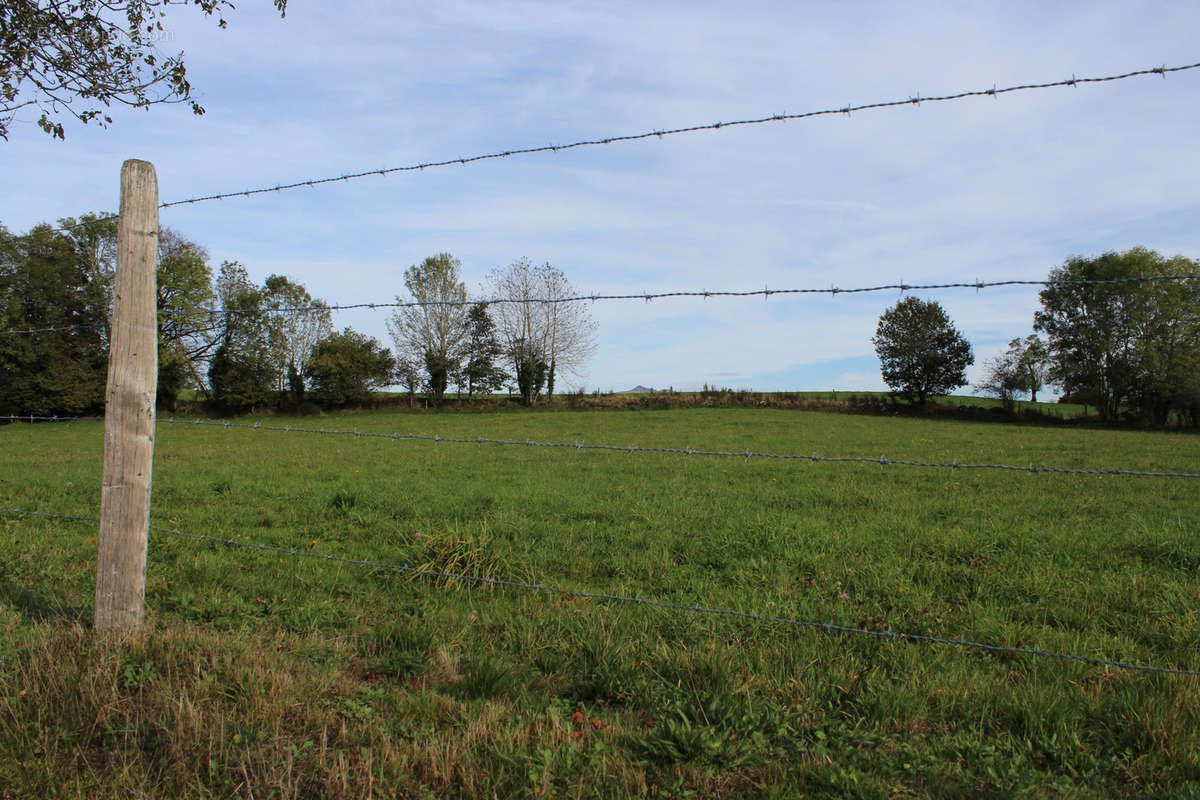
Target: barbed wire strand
<point>648,296</point>
<point>31,418</point>
<point>847,110</point>
<point>688,451</point>
<point>827,627</point>
<point>764,293</point>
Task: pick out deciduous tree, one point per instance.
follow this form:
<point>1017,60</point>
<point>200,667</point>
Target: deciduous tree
<point>293,334</point>
<point>241,372</point>
<point>346,367</point>
<point>1121,345</point>
<point>920,351</point>
<point>433,332</point>
<point>46,282</point>
<point>540,338</point>
<point>80,58</point>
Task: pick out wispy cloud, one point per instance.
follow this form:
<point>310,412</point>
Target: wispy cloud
<point>980,189</point>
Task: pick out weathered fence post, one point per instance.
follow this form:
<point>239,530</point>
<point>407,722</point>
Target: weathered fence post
<point>129,407</point>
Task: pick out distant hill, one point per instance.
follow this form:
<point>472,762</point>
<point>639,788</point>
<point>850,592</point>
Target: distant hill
<point>639,389</point>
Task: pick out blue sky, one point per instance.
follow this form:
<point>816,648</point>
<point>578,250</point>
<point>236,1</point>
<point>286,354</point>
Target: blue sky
<point>974,189</point>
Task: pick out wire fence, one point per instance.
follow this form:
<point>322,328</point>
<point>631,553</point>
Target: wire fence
<point>765,293</point>
<point>747,454</point>
<point>826,627</point>
<point>846,110</point>
<point>829,627</point>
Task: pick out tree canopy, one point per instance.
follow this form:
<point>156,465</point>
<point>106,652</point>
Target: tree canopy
<point>920,351</point>
<point>1129,345</point>
<point>346,367</point>
<point>82,57</point>
<point>47,282</point>
<point>540,338</point>
<point>433,333</point>
<point>1021,368</point>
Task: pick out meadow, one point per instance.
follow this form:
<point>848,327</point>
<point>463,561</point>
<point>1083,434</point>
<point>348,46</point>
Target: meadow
<point>263,674</point>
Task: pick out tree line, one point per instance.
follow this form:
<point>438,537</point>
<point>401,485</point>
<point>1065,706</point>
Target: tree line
<point>1128,348</point>
<point>242,346</point>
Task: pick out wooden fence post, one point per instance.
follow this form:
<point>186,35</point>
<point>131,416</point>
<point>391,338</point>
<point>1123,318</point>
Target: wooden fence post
<point>129,407</point>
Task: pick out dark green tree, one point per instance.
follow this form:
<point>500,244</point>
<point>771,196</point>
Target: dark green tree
<point>47,282</point>
<point>920,351</point>
<point>483,351</point>
<point>408,375</point>
<point>186,324</point>
<point>81,57</point>
<point>346,367</point>
<point>240,380</point>
<point>1128,345</point>
<point>242,373</point>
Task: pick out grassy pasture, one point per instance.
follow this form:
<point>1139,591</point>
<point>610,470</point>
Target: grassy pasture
<point>265,675</point>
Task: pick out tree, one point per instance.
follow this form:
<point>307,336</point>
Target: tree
<point>92,52</point>
<point>432,333</point>
<point>185,320</point>
<point>482,350</point>
<point>346,367</point>
<point>1000,379</point>
<point>920,351</point>
<point>1122,345</point>
<point>292,334</point>
<point>408,376</point>
<point>241,372</point>
<point>539,338</point>
<point>570,331</point>
<point>1022,368</point>
<point>47,282</point>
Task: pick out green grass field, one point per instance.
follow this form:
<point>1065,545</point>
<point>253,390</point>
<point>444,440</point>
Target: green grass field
<point>267,675</point>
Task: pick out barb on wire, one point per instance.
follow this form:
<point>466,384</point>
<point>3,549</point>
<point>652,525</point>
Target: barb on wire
<point>322,308</point>
<point>688,451</point>
<point>764,293</point>
<point>659,133</point>
<point>56,329</point>
<point>827,627</point>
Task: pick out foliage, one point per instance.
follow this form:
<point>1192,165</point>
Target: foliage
<point>1120,345</point>
<point>241,373</point>
<point>480,371</point>
<point>240,378</point>
<point>346,367</point>
<point>292,334</point>
<point>433,332</point>
<point>408,375</point>
<point>920,351</point>
<point>540,338</point>
<point>1022,368</point>
<point>186,325</point>
<point>47,281</point>
<point>93,52</point>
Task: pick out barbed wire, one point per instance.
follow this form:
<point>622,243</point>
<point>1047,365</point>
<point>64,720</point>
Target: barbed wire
<point>747,454</point>
<point>827,627</point>
<point>847,110</point>
<point>765,293</point>
<point>56,329</point>
<point>31,418</point>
